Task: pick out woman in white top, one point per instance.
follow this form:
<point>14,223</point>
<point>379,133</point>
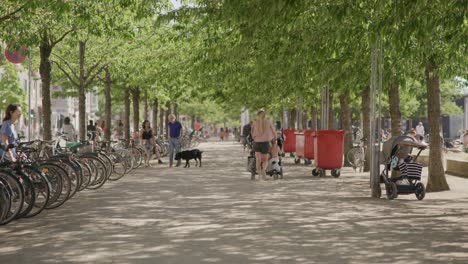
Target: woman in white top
<point>68,130</point>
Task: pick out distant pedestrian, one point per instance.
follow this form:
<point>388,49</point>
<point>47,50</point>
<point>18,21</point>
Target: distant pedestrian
<point>175,131</point>
<point>148,141</point>
<point>246,133</point>
<point>221,134</point>
<point>119,130</point>
<point>91,128</point>
<point>68,130</point>
<point>420,131</point>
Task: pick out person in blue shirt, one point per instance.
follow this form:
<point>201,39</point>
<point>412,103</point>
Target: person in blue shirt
<point>8,134</point>
<point>175,131</point>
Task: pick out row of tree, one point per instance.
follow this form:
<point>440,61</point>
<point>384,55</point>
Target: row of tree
<point>217,57</point>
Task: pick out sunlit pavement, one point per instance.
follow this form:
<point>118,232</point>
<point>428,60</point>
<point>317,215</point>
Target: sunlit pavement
<point>215,214</point>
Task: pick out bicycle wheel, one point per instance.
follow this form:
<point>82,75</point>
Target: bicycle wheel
<point>15,191</point>
<point>52,171</point>
<point>119,166</point>
<point>87,175</point>
<point>99,170</point>
<point>28,193</point>
<point>4,200</point>
<point>355,157</point>
<point>42,189</point>
<point>55,180</point>
<point>73,173</point>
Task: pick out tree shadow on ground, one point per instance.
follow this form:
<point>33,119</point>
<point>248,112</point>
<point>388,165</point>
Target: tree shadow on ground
<point>215,214</point>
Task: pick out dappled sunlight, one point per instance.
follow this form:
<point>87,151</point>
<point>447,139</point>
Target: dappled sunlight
<point>216,214</point>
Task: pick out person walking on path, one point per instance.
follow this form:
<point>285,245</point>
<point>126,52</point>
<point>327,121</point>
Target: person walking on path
<point>8,134</point>
<point>420,131</point>
<point>175,130</point>
<point>68,130</point>
<point>262,133</point>
<point>147,141</point>
<point>245,133</point>
<point>91,130</point>
<point>119,130</point>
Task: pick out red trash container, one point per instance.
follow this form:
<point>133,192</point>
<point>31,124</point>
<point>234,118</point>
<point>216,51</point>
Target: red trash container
<point>309,144</point>
<point>305,144</point>
<point>328,148</point>
<point>289,145</point>
<point>300,141</point>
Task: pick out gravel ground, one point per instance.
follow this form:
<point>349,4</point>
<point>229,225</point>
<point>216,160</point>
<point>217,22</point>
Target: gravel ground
<point>215,214</point>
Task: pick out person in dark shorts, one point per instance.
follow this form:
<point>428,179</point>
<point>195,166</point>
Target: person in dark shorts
<point>262,133</point>
<point>245,133</point>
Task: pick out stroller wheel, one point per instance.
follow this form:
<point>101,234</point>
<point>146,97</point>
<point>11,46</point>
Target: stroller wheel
<point>315,172</point>
<point>281,173</point>
<point>322,173</point>
<point>336,173</point>
<point>252,175</point>
<point>275,175</point>
<point>420,191</point>
<point>392,191</point>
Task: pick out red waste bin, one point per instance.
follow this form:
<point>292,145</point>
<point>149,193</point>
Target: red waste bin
<point>328,148</point>
<point>289,144</point>
<point>300,140</point>
<point>305,144</point>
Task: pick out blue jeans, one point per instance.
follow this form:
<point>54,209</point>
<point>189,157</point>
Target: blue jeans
<point>173,143</point>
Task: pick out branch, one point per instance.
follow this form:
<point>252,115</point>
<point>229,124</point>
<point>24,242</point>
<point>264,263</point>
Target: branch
<point>62,37</point>
<point>90,80</point>
<point>10,15</point>
<point>68,75</point>
<point>91,69</point>
<point>68,65</point>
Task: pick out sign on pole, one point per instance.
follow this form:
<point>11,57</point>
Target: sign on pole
<point>16,56</point>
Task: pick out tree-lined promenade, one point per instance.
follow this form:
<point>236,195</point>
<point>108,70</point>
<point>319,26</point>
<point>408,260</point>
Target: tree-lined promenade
<point>208,59</point>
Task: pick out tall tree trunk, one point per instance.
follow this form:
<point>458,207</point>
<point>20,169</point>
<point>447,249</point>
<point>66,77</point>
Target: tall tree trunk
<point>145,113</point>
<point>304,120</point>
<point>292,118</point>
<point>108,103</point>
<point>313,115</point>
<point>161,121</point>
<point>82,91</point>
<point>192,117</point>
<point>176,110</point>
<point>155,115</point>
<point>45,69</point>
<point>127,114</point>
<point>394,105</point>
<point>346,124</point>
<point>436,180</point>
<point>365,109</point>
<point>168,106</point>
<point>331,114</point>
<point>136,108</point>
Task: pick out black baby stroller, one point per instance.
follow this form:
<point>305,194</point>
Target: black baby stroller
<point>397,157</point>
<point>275,166</point>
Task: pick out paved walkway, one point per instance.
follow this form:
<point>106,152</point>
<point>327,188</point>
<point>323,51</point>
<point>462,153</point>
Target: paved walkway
<point>215,214</point>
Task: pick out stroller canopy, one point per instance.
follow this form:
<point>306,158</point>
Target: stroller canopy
<point>390,147</point>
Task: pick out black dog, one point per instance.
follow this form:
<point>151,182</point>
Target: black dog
<point>187,155</point>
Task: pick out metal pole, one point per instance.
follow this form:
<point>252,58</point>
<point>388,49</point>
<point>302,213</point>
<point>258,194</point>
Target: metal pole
<point>324,110</point>
<point>374,152</point>
<point>29,95</point>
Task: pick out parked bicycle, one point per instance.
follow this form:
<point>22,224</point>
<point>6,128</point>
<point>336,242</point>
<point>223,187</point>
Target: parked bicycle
<point>356,156</point>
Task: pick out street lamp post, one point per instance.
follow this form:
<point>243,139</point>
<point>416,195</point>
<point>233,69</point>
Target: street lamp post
<point>29,95</point>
